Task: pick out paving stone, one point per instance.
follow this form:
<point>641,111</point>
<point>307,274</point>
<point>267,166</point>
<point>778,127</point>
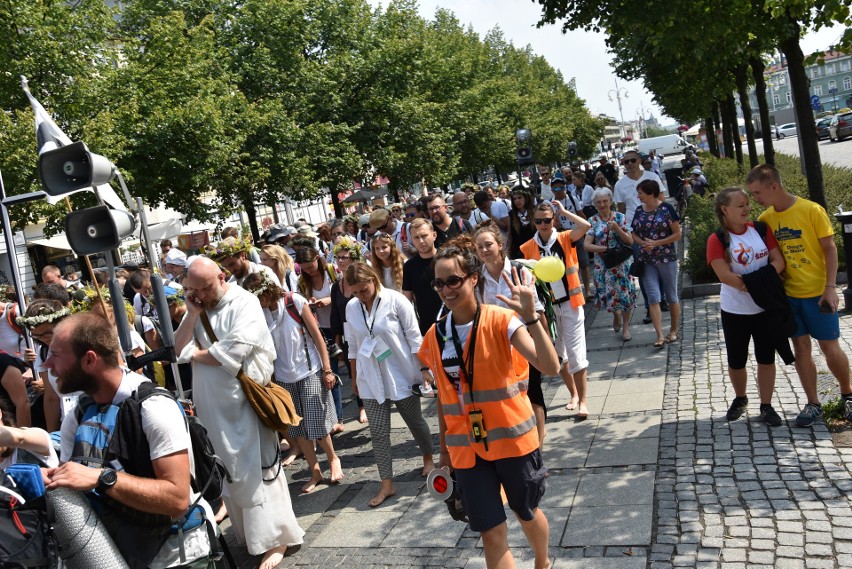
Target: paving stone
<point>612,525</point>
<point>617,489</point>
<point>358,529</point>
<point>622,452</point>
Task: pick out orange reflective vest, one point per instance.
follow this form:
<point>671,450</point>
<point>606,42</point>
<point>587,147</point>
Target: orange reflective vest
<point>500,382</point>
<point>571,280</point>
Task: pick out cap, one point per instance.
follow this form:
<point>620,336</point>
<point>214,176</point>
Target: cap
<point>557,182</point>
<point>696,171</point>
<point>379,218</point>
<point>175,257</point>
<point>364,220</point>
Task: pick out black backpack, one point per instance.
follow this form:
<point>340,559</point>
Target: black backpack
<point>26,538</point>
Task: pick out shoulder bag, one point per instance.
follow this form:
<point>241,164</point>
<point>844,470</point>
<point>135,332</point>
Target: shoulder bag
<point>271,402</point>
<point>617,252</point>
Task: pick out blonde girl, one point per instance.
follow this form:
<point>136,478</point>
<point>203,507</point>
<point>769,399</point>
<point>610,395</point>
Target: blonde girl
<point>387,261</point>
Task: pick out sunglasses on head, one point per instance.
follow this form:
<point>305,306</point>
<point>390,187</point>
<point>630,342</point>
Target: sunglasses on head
<point>452,282</point>
<point>543,220</point>
<point>630,161</point>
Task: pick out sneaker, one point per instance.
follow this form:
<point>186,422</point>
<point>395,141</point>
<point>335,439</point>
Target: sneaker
<point>769,416</point>
<point>664,306</point>
<point>809,414</point>
<point>847,409</point>
<point>738,407</point>
<point>647,319</point>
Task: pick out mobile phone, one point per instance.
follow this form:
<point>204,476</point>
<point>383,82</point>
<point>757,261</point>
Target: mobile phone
<point>825,308</point>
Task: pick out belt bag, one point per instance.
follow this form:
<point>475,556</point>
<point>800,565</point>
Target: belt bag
<point>272,403</point>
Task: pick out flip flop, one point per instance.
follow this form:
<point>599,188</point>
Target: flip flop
<point>671,338</point>
<point>659,344</point>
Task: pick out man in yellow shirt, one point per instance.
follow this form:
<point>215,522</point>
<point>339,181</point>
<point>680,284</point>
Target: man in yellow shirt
<point>806,239</point>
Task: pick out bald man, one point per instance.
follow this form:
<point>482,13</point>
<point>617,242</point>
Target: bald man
<point>258,498</point>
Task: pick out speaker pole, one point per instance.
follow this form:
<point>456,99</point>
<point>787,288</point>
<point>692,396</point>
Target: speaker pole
<point>12,252</point>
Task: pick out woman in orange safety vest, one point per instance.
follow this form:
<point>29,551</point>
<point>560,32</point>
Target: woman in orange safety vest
<point>487,425</point>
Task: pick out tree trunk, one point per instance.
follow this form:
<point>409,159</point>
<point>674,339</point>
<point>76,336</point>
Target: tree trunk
<point>335,200</point>
<point>757,69</point>
<point>727,144</point>
<point>717,124</point>
<point>251,213</point>
<point>745,105</point>
<point>735,129</point>
<point>710,132</point>
<point>799,85</point>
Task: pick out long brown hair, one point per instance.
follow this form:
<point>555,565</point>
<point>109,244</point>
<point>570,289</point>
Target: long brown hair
<point>395,263</point>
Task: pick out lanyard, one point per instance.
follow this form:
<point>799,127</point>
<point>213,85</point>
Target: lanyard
<point>375,312</point>
<point>467,363</point>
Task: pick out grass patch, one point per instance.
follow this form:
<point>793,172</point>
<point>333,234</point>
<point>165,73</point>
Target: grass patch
<point>832,413</point>
<point>724,172</point>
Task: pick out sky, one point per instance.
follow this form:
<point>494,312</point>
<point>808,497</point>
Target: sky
<point>577,54</point>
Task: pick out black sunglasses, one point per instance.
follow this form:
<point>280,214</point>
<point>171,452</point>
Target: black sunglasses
<point>453,282</point>
<point>543,220</point>
<point>630,160</point>
<point>410,215</point>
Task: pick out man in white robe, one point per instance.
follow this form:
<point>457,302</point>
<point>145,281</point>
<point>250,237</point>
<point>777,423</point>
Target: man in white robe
<point>258,499</point>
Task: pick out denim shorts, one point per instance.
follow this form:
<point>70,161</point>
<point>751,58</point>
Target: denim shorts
<point>809,320</point>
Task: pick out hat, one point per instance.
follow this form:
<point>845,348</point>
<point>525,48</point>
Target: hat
<point>558,176</point>
<point>364,220</point>
<point>557,182</point>
<point>602,157</point>
<point>175,257</point>
<point>307,231</point>
<point>379,218</point>
<point>696,171</point>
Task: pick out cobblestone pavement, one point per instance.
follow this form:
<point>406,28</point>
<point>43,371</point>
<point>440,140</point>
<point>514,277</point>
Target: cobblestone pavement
<point>655,478</point>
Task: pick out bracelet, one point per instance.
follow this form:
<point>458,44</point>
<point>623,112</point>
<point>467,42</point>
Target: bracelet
<point>424,369</point>
<point>327,371</point>
<point>533,322</point>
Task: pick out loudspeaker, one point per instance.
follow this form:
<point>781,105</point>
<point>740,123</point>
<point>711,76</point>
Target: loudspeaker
<point>97,229</point>
<point>72,168</point>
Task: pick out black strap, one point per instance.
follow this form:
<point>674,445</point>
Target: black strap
<point>364,314</point>
<point>467,363</point>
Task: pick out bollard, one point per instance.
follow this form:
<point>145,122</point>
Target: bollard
<point>845,220</point>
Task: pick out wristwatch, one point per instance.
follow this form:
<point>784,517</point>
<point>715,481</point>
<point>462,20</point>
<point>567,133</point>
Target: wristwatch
<point>106,480</point>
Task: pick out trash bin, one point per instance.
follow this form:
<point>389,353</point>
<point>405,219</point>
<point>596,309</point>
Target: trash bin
<point>845,220</point>
<point>674,182</point>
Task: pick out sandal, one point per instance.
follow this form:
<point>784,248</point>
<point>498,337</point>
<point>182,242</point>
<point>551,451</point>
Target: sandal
<point>616,322</point>
<point>626,337</point>
<point>659,343</point>
<point>671,338</point>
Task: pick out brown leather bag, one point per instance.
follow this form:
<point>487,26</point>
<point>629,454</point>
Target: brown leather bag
<point>271,402</point>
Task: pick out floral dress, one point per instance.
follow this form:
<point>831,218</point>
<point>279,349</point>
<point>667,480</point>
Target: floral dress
<point>614,288</point>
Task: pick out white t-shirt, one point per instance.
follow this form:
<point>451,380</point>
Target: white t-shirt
<point>291,363</point>
<point>625,192</point>
<point>477,216</point>
<point>569,202</point>
<point>463,331</point>
<point>499,210</point>
<point>748,253</point>
<point>546,192</point>
<point>49,460</point>
<point>324,313</point>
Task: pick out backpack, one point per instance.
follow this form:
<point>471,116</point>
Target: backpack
<point>26,539</point>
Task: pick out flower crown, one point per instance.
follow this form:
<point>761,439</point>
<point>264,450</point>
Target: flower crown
<point>229,247</point>
<point>176,297</point>
<point>264,286</point>
<point>30,322</point>
<point>7,293</point>
<point>348,244</point>
<point>85,298</point>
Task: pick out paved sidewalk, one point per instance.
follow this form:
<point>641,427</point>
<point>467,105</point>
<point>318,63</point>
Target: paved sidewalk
<point>655,478</point>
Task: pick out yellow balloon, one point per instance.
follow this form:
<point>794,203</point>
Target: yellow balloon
<point>549,269</point>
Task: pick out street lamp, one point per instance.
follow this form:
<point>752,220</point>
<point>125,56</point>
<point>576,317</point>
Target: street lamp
<point>833,92</point>
<point>618,94</point>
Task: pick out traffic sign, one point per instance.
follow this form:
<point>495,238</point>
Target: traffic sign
<point>815,99</point>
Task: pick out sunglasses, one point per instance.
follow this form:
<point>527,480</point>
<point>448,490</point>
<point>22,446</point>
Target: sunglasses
<point>452,283</point>
<point>410,215</point>
<point>630,161</point>
<point>543,220</point>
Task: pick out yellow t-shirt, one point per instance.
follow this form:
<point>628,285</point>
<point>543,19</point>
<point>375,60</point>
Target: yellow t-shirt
<point>798,230</point>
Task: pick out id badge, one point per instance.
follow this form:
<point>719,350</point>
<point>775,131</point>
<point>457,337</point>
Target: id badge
<point>558,288</point>
<point>381,350</point>
<point>477,425</point>
<point>367,347</point>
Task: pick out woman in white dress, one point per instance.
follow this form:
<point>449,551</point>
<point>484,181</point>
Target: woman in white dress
<point>384,338</point>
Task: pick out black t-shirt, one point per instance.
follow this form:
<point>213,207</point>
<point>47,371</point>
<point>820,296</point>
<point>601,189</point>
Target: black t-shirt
<point>608,171</point>
<point>417,275</point>
<point>456,228</point>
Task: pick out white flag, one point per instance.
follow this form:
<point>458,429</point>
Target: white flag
<point>50,137</point>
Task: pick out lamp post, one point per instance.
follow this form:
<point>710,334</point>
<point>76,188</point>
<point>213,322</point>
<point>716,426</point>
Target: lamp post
<point>618,94</point>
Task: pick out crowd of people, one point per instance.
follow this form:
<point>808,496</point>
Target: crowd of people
<point>416,300</point>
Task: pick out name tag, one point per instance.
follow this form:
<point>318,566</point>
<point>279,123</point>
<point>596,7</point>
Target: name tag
<point>558,288</point>
<point>367,347</point>
<point>381,350</point>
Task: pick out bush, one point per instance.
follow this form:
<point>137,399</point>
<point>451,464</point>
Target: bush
<point>723,172</point>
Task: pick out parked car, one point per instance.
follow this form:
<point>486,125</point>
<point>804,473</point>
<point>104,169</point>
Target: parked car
<point>788,129</point>
<point>822,128</point>
<point>841,126</point>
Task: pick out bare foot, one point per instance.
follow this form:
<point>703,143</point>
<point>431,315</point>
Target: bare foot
<point>383,495</point>
<point>336,471</point>
<point>362,416</point>
<point>583,411</point>
<point>291,458</point>
<point>273,558</point>
<point>571,405</point>
<point>338,428</point>
<point>311,484</point>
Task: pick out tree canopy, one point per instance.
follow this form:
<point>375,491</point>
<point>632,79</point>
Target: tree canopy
<point>209,104</point>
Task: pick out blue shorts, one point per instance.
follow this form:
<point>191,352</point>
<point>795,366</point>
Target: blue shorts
<point>809,320</point>
<point>522,477</point>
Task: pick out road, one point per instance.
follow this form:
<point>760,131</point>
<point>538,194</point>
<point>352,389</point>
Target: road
<point>835,153</point>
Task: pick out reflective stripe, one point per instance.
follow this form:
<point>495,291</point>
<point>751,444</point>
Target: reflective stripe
<point>511,432</point>
<point>573,291</point>
<point>500,394</point>
<point>453,409</point>
<point>571,270</point>
<point>456,440</point>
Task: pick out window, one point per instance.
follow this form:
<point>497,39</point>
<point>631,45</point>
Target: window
<point>789,97</point>
<point>816,72</point>
<point>847,83</point>
<point>846,65</point>
<point>776,100</point>
<point>817,89</point>
<point>782,79</point>
<point>832,85</point>
<point>829,69</point>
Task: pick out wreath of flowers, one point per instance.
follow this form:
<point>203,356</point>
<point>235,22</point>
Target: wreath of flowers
<point>177,297</point>
<point>228,247</point>
<point>264,286</point>
<point>348,244</point>
<point>7,293</point>
<point>30,322</point>
<point>85,298</point>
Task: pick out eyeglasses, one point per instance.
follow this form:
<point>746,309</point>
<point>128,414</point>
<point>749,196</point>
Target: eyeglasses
<point>411,215</point>
<point>630,161</point>
<point>436,207</point>
<point>343,257</point>
<point>543,220</point>
<point>452,283</point>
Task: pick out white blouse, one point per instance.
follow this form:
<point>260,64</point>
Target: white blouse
<point>494,287</point>
<point>393,322</point>
<point>291,362</point>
